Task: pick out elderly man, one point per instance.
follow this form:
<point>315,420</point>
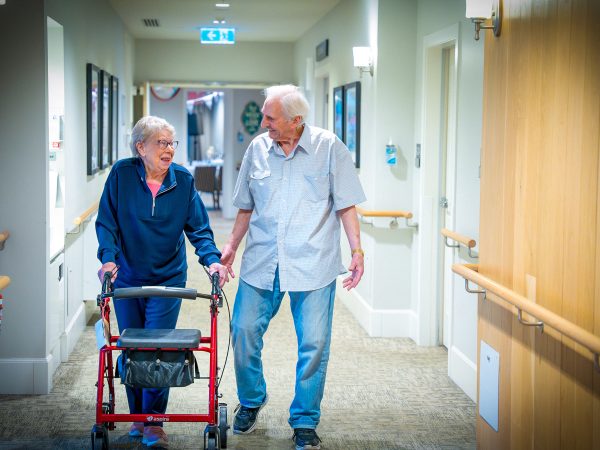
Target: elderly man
<point>296,183</point>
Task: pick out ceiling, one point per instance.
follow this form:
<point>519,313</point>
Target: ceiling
<point>254,20</point>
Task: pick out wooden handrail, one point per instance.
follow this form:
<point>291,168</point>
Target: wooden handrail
<point>3,237</point>
<point>547,317</point>
<point>4,281</point>
<point>368,213</point>
<point>467,242</point>
<point>88,212</point>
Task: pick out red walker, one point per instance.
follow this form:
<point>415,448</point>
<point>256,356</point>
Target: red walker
<point>215,433</point>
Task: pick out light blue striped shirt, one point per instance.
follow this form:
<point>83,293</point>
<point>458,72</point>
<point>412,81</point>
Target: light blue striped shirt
<point>294,201</point>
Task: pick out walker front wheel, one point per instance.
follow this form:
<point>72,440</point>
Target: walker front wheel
<point>100,438</point>
<point>212,443</point>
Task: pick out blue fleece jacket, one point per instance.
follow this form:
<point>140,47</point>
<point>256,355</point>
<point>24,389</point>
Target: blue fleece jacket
<point>144,235</point>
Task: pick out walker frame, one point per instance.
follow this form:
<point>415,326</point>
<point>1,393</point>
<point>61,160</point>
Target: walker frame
<point>215,433</point>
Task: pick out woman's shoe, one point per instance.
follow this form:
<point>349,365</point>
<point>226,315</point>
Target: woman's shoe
<point>137,429</point>
<point>155,436</point>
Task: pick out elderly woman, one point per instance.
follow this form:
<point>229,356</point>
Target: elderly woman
<point>147,204</point>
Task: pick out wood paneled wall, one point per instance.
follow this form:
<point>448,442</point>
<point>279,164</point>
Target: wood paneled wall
<point>540,220</point>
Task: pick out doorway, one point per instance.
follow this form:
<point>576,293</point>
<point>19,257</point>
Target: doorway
<point>322,102</point>
<point>447,177</point>
<point>437,185</point>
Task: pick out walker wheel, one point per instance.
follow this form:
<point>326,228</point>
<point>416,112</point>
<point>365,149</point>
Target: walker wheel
<point>223,427</point>
<point>100,438</point>
<point>212,443</point>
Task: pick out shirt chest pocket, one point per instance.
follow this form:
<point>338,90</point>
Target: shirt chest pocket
<point>316,187</point>
<point>263,185</point>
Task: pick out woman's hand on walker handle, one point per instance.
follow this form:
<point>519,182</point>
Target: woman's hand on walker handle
<point>227,258</point>
<point>107,267</point>
<point>356,268</point>
<point>222,270</point>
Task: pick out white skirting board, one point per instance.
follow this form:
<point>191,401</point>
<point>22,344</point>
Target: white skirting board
<point>34,375</point>
<point>463,372</point>
<point>378,322</point>
<point>26,375</point>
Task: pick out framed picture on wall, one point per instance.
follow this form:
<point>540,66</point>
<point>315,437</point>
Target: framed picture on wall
<point>114,120</point>
<point>93,118</point>
<point>352,120</point>
<point>338,112</point>
<point>105,122</point>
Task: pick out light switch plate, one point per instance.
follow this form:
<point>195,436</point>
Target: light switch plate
<point>489,376</point>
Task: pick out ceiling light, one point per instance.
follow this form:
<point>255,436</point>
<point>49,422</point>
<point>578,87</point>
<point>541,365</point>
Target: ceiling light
<point>222,5</point>
<point>216,21</point>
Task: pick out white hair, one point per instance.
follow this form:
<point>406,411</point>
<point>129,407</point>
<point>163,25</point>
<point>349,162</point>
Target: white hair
<point>292,100</point>
<point>146,127</point>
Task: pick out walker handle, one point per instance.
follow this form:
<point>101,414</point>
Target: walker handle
<point>155,291</point>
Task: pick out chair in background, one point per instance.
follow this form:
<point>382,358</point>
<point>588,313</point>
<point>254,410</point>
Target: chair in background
<point>208,179</point>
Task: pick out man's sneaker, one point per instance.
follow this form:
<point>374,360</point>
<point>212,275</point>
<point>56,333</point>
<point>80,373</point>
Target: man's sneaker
<point>155,436</point>
<point>306,439</point>
<point>244,421</point>
<point>137,429</point>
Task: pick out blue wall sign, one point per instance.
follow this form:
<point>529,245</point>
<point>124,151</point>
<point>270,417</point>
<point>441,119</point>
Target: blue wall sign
<point>217,35</point>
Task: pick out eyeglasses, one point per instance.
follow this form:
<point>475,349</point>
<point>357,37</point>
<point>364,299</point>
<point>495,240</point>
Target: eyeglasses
<point>164,144</point>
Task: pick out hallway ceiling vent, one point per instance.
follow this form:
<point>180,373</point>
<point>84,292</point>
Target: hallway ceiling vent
<point>151,23</point>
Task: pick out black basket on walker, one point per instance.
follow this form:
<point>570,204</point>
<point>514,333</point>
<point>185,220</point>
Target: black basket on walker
<point>157,358</point>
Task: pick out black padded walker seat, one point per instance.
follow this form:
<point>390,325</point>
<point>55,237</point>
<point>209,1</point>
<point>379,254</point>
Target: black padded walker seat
<point>158,338</point>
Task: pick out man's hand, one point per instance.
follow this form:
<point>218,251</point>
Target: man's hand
<point>223,277</point>
<point>357,268</point>
<point>110,267</point>
<point>227,258</point>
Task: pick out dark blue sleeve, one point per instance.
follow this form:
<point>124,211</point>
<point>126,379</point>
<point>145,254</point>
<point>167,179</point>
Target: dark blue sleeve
<point>107,228</point>
<point>198,231</point>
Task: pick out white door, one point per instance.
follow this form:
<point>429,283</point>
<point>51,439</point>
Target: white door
<point>447,182</point>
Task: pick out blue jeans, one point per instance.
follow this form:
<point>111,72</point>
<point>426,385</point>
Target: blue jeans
<point>150,312</point>
<point>312,311</point>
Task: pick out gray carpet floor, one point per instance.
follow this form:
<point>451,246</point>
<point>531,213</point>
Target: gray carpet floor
<point>380,393</point>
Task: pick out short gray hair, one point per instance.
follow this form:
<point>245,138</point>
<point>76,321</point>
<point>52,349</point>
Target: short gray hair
<point>292,99</point>
<point>146,127</point>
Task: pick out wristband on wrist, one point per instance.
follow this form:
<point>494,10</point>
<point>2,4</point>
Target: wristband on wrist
<point>357,250</point>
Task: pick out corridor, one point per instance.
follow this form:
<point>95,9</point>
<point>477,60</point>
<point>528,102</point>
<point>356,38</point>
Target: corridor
<point>381,393</point>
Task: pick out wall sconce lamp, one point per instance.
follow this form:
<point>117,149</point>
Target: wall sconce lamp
<point>481,10</point>
<point>363,59</point>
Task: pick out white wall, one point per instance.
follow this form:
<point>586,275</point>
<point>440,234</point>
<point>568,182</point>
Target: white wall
<point>235,101</point>
<point>27,357</point>
<point>189,61</point>
<point>174,112</point>
<point>382,302</point>
<point>23,199</point>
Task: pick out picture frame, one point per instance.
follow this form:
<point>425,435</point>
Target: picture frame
<point>105,121</point>
<point>352,120</point>
<point>93,118</point>
<point>114,120</point>
<point>338,112</point>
